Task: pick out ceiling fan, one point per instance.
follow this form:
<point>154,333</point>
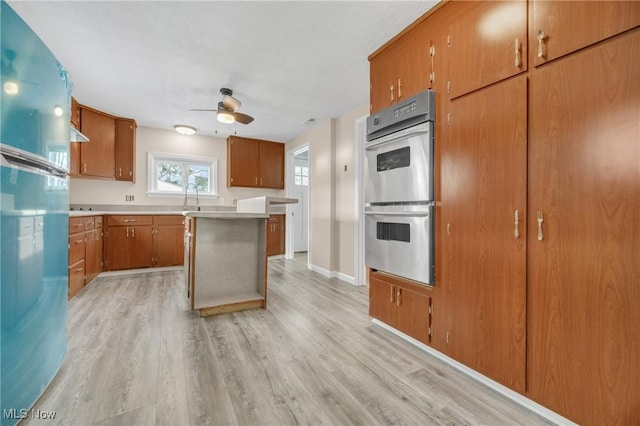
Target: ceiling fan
<point>227,111</point>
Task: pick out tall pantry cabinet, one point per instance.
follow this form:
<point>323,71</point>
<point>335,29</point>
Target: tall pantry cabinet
<point>537,197</point>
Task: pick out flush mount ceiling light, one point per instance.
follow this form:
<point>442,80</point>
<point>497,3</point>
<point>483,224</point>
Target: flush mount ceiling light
<point>184,130</point>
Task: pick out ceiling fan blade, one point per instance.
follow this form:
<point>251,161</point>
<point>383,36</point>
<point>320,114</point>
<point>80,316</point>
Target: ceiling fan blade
<point>230,102</point>
<point>203,110</point>
<point>242,118</point>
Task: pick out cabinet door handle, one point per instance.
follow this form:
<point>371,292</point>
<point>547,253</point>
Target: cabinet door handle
<point>398,296</point>
<point>399,89</point>
<point>516,219</point>
<point>130,173</point>
<point>391,293</point>
<point>79,269</point>
<point>127,232</point>
<point>133,232</point>
<point>541,50</point>
<point>129,220</point>
<point>256,180</point>
<point>540,220</point>
<point>120,172</point>
<point>391,89</point>
<point>84,167</point>
<point>517,62</point>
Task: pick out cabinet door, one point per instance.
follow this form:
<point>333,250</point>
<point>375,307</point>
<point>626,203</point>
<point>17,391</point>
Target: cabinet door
<point>382,299</point>
<point>74,159</point>
<point>97,156</point>
<point>562,27</point>
<point>488,43</point>
<point>129,247</point>
<point>76,278</point>
<point>271,165</point>
<point>484,171</point>
<point>381,74</point>
<point>75,113</point>
<point>93,257</point>
<point>125,150</point>
<point>243,161</point>
<point>168,245</point>
<point>273,235</point>
<point>415,63</point>
<point>140,240</point>
<point>413,314</point>
<point>584,163</point>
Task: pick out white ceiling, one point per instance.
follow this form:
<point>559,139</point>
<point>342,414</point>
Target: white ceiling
<point>286,61</point>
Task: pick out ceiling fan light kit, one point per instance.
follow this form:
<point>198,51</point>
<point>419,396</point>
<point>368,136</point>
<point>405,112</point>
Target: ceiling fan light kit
<point>184,130</point>
<point>227,109</point>
<point>225,116</point>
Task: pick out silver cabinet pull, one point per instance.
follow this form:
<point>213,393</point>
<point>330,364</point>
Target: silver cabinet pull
<point>391,294</point>
<point>516,219</point>
<point>541,37</point>
<point>540,220</point>
<point>129,220</point>
<point>391,89</point>
<point>398,294</point>
<point>399,88</point>
<point>517,62</point>
<point>133,232</point>
<point>127,232</point>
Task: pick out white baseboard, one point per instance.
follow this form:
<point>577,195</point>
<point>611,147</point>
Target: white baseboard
<point>140,271</point>
<point>333,274</point>
<point>501,389</point>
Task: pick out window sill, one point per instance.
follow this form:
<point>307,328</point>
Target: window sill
<point>207,196</point>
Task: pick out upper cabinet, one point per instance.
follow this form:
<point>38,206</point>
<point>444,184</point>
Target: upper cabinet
<point>487,43</point>
<point>97,156</point>
<point>400,70</point>
<point>125,150</point>
<point>111,150</point>
<point>255,163</point>
<point>562,27</point>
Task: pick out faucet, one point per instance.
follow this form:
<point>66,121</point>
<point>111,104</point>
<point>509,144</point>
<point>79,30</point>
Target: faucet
<point>186,189</point>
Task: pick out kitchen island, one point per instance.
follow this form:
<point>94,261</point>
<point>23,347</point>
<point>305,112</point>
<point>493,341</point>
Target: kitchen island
<point>226,257</point>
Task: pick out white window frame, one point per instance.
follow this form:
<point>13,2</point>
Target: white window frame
<point>152,180</point>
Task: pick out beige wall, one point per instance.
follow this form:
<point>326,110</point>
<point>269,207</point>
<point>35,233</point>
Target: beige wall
<point>332,209</point>
<point>91,191</point>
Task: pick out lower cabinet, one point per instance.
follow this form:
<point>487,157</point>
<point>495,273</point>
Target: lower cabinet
<point>275,234</point>
<point>141,241</point>
<point>401,304</point>
<point>85,251</point>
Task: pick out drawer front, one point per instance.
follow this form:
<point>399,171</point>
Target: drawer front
<point>76,278</point>
<point>88,223</point>
<point>77,246</point>
<point>76,224</point>
<point>168,220</point>
<point>129,220</point>
<point>97,222</point>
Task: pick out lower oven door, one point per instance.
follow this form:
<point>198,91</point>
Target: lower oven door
<point>400,240</point>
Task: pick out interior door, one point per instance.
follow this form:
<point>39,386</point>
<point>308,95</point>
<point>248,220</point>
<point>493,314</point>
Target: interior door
<point>301,209</point>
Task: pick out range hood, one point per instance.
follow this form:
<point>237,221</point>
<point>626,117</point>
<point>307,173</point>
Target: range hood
<point>76,136</point>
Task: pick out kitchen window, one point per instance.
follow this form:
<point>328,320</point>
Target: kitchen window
<point>169,175</point>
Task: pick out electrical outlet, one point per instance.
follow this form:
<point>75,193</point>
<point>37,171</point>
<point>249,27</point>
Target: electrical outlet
<point>128,197</point>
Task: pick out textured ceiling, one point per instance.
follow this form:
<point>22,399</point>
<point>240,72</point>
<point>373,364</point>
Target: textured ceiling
<point>286,61</point>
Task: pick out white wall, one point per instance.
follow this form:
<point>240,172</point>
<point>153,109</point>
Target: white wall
<point>332,191</point>
<point>107,192</point>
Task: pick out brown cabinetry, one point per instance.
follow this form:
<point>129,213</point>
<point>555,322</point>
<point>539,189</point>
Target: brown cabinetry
<point>484,208</point>
<point>97,156</point>
<point>401,304</point>
<point>561,27</point>
<point>255,163</point>
<point>488,43</point>
<point>125,150</point>
<point>85,251</point>
<point>584,168</point>
<point>75,113</point>
<point>141,241</point>
<point>276,234</point>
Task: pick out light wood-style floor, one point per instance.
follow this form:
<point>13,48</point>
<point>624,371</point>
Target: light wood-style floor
<point>138,355</point>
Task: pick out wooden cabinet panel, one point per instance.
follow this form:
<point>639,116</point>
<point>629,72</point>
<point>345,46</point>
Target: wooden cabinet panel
<point>276,234</point>
<point>271,165</point>
<point>76,278</point>
<point>76,247</point>
<point>382,73</point>
<point>128,247</point>
<point>76,224</point>
<point>75,113</point>
<point>125,150</point>
<point>168,245</point>
<point>584,163</point>
<point>382,300</point>
<point>562,27</point>
<point>484,172</point>
<point>413,317</point>
<point>243,161</point>
<point>129,220</point>
<point>93,257</point>
<point>74,159</point>
<point>97,157</point>
<point>488,43</point>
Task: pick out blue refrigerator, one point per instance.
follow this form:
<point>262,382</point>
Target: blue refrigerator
<point>35,108</point>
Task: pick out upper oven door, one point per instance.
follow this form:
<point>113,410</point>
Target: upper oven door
<point>399,166</point>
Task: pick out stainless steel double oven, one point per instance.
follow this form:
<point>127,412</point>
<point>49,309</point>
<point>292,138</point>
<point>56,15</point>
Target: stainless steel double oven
<point>399,194</point>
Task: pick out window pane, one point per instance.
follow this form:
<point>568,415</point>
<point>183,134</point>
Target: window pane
<point>298,180</point>
<point>199,176</point>
<point>298,171</point>
<point>305,171</point>
<point>169,176</point>
<point>305,181</point>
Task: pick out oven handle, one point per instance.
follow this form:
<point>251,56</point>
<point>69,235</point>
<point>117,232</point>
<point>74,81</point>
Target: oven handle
<point>412,214</point>
<point>403,134</point>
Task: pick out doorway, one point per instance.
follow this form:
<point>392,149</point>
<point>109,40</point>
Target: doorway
<point>298,187</point>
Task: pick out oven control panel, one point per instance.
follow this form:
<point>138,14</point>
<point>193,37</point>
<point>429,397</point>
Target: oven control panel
<point>406,109</point>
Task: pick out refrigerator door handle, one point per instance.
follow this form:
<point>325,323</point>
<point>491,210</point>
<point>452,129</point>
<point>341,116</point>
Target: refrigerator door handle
<point>23,160</point>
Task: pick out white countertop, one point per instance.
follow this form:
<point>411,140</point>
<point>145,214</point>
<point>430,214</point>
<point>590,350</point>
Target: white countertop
<point>76,213</point>
<point>225,215</point>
